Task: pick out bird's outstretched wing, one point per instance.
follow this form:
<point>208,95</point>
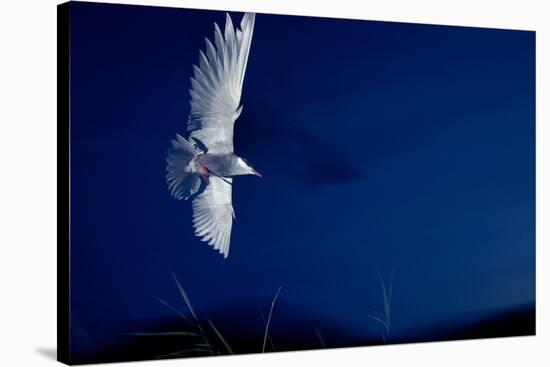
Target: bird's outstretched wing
<point>215,97</point>
<point>213,214</point>
<point>217,83</point>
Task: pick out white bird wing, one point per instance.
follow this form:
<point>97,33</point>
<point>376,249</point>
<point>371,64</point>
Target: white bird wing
<point>213,214</point>
<point>215,97</point>
<point>217,84</point>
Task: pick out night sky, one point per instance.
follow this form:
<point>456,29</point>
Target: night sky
<point>383,146</point>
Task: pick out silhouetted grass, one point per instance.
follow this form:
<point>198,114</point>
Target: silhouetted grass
<point>384,319</point>
<point>203,330</point>
<point>204,346</point>
<point>269,317</point>
<point>268,333</point>
<point>319,335</point>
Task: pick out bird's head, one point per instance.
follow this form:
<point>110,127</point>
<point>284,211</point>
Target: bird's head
<point>247,168</point>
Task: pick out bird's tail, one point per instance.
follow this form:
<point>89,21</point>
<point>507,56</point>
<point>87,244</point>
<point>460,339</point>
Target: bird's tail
<point>183,177</point>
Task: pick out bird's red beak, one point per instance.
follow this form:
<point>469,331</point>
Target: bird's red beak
<point>256,173</point>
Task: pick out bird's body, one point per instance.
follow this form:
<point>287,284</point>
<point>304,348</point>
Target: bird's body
<point>224,165</point>
<point>202,167</point>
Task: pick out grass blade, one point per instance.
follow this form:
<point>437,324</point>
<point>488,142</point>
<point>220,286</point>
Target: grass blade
<point>269,318</point>
<point>185,298</point>
<point>318,333</point>
<point>321,340</point>
<point>380,320</point>
<point>390,285</point>
<point>166,333</point>
<point>173,309</point>
<point>225,344</point>
<point>188,303</point>
<point>385,319</point>
<point>183,352</point>
<point>268,333</point>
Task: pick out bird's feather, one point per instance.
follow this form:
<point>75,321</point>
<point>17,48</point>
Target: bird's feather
<point>215,96</point>
<point>183,183</point>
<point>213,214</point>
<point>216,85</point>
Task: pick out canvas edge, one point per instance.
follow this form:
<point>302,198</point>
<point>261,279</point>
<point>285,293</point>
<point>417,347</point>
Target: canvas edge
<point>63,183</point>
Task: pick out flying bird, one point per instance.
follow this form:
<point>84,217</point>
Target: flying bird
<point>202,167</point>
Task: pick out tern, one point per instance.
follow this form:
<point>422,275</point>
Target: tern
<point>202,167</point>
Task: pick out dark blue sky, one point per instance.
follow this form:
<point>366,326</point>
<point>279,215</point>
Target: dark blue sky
<point>382,145</point>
